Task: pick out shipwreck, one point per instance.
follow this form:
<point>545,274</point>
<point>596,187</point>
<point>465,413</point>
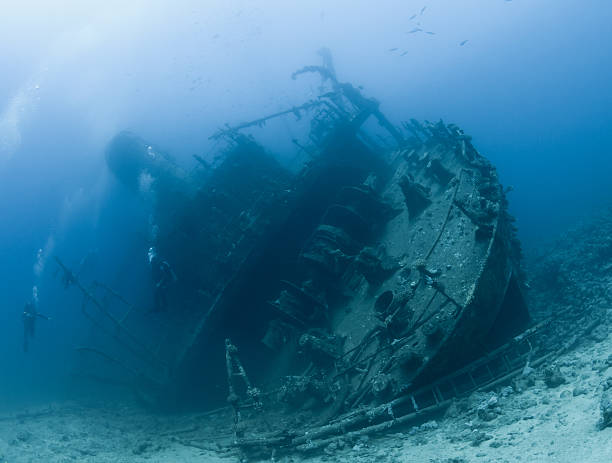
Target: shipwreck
<point>335,294</point>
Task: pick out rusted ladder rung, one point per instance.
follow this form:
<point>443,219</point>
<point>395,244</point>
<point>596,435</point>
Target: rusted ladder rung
<point>414,403</point>
<point>507,362</point>
<point>472,379</point>
<point>437,394</point>
<point>432,391</point>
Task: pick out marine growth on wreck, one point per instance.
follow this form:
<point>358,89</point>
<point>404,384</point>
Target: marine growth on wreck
<point>324,292</point>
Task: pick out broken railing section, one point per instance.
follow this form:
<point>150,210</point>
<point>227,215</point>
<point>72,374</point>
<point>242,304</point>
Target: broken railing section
<point>450,134</point>
<point>295,110</point>
<point>344,105</point>
<point>418,197</point>
<point>530,349</point>
<point>96,310</point>
<point>349,99</point>
<point>236,374</point>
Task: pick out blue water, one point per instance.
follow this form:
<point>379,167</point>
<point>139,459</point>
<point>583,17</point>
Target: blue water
<point>531,85</point>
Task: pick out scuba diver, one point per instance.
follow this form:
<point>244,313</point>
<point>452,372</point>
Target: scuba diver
<point>30,314</point>
<point>163,276</point>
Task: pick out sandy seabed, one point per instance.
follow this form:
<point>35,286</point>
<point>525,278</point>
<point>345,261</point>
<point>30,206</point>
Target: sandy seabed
<point>539,424</point>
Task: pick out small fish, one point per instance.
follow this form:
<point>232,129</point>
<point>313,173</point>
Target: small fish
<point>423,10</point>
<point>416,29</point>
<point>430,33</point>
<point>412,17</point>
<point>404,54</point>
<point>463,43</point>
<point>392,49</point>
